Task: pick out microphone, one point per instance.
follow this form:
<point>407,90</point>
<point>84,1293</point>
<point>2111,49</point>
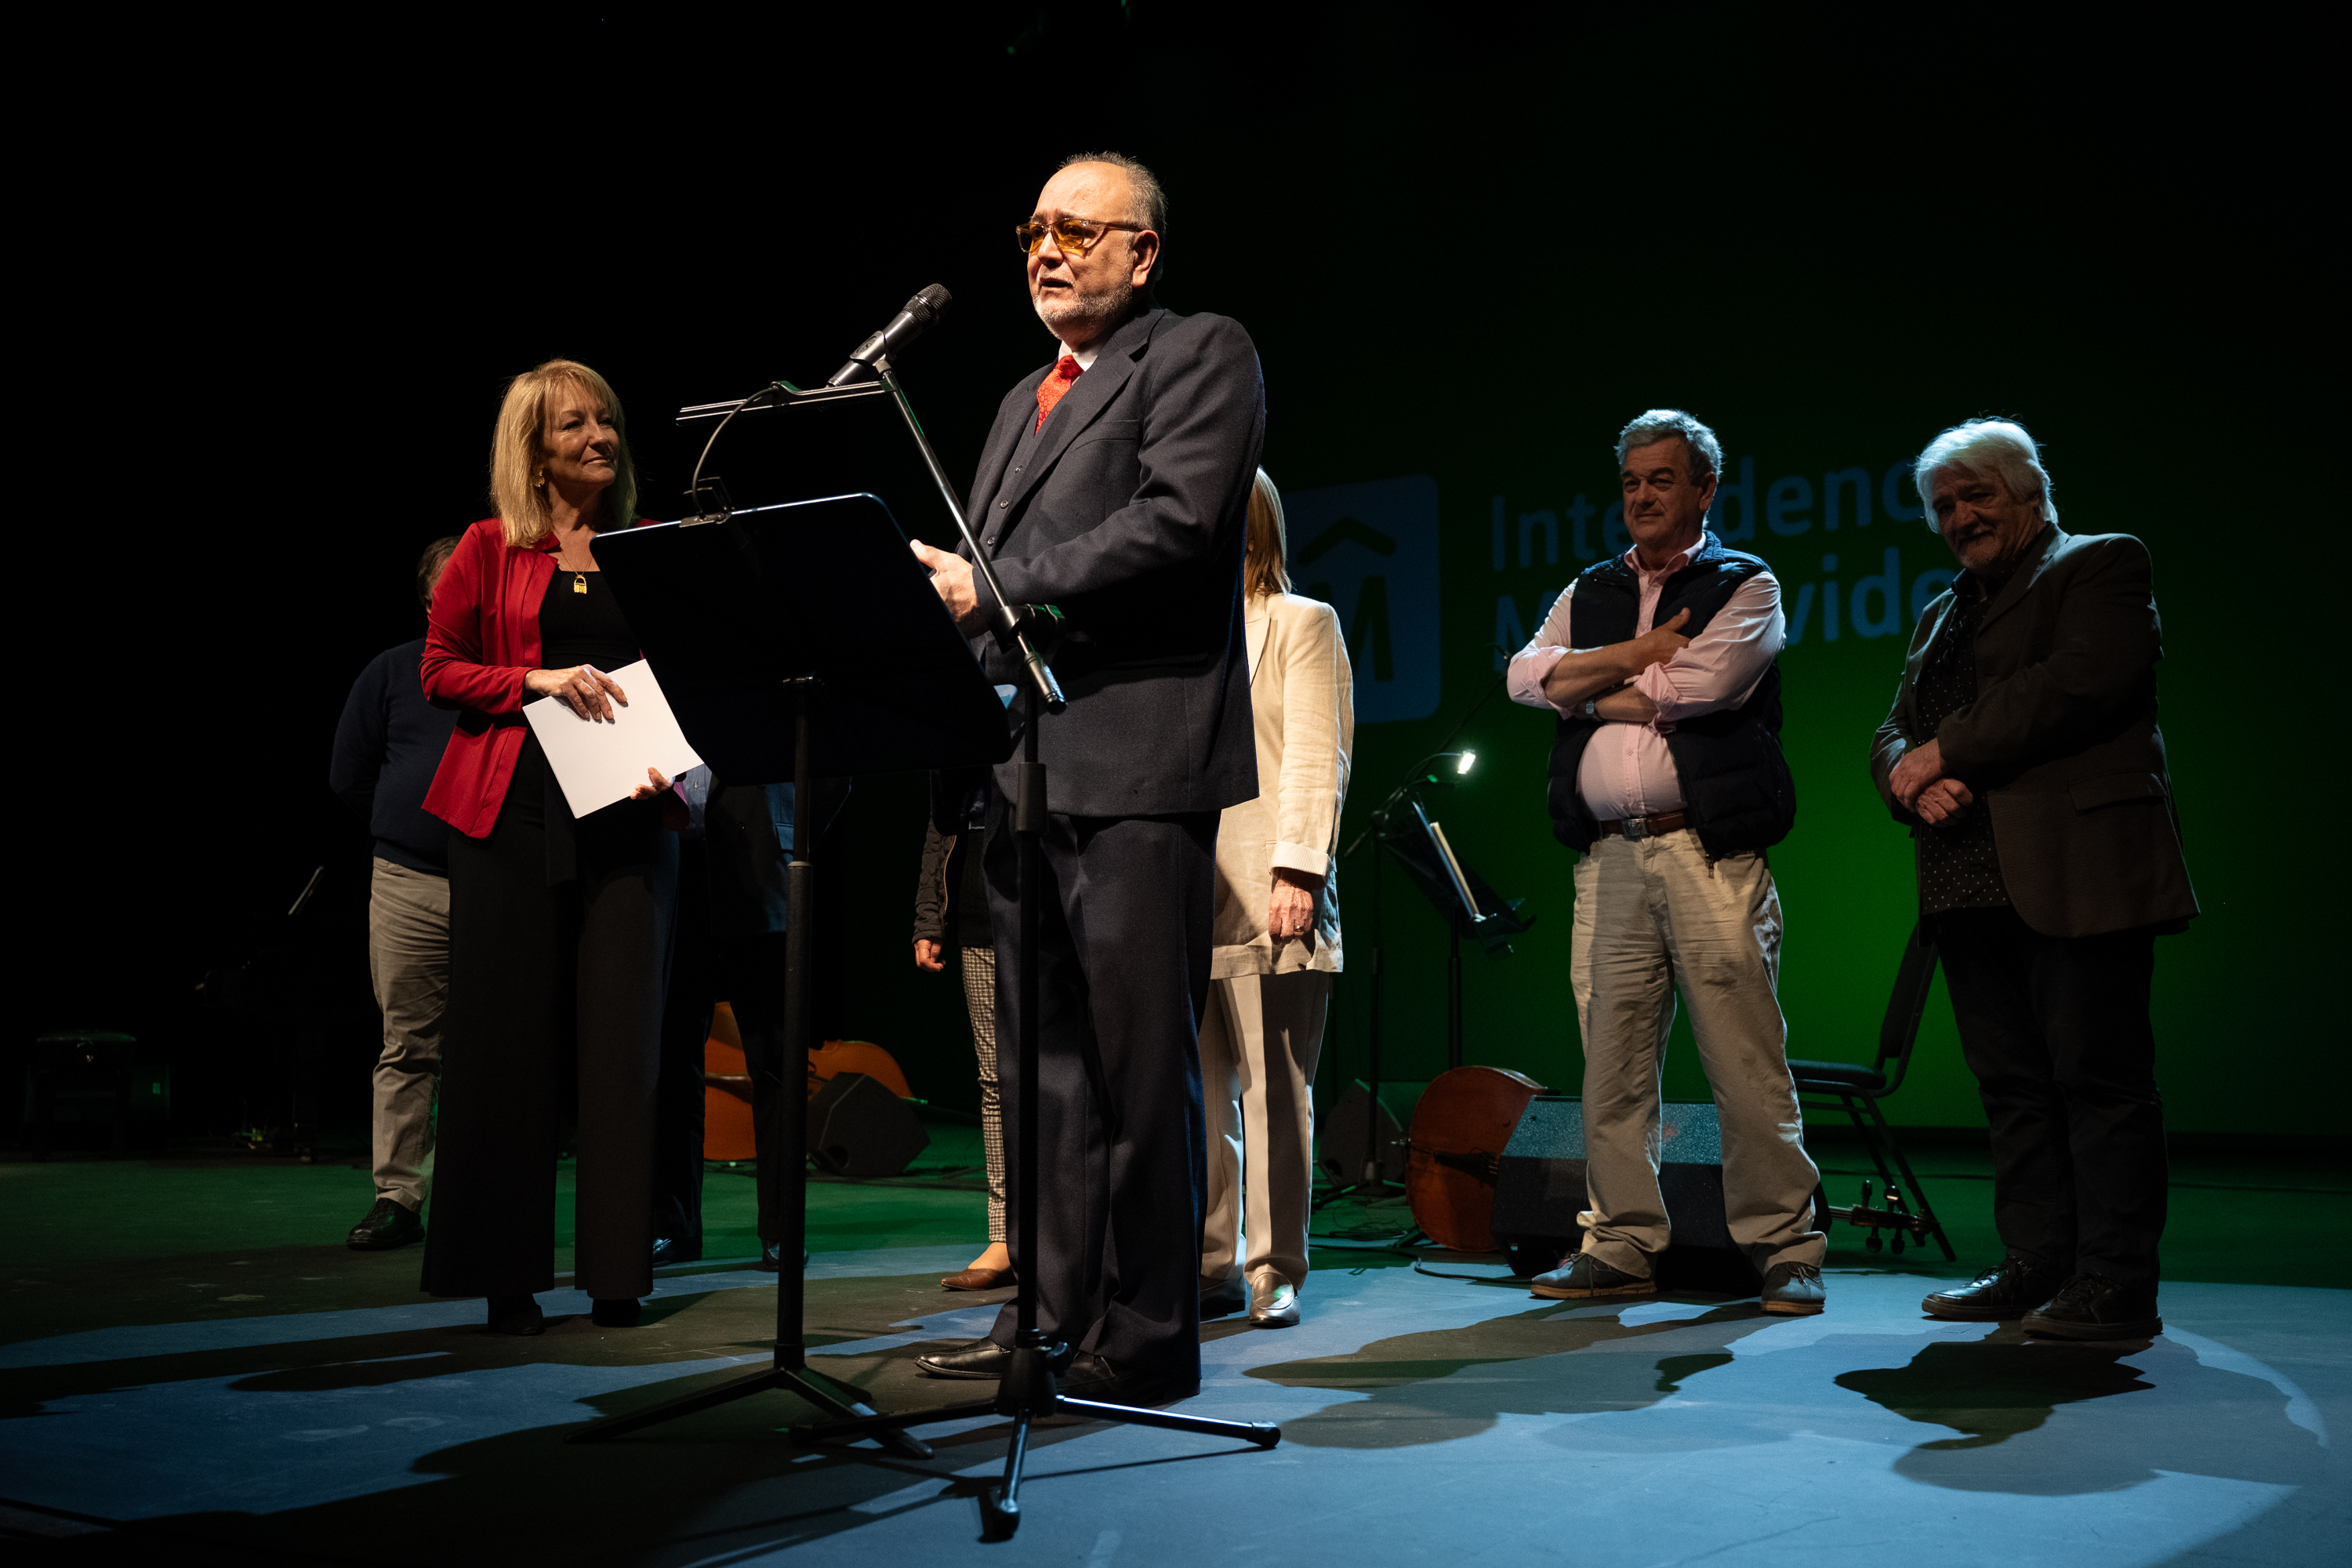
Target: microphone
<point>908,324</point>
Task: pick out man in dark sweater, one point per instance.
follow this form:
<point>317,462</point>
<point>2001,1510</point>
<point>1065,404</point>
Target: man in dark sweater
<point>387,746</point>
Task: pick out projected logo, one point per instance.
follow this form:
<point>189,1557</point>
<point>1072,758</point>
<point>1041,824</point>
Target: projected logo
<point>1370,552</point>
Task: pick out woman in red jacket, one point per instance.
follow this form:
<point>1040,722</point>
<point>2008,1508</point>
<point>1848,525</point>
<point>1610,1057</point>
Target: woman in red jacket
<point>559,929</point>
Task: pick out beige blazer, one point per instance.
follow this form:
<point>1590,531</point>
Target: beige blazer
<point>1301,698</point>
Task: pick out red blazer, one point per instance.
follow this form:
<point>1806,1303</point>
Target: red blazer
<point>481,642</point>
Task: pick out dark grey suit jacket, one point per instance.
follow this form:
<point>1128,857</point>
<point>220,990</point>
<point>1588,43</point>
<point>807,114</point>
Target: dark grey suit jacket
<point>1130,512</point>
<point>2061,744</point>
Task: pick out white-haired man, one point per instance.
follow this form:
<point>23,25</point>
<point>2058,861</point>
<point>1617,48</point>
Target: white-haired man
<point>1666,775</point>
<point>2023,753</point>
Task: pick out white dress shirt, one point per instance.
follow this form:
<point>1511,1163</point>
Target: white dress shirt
<point>1627,771</point>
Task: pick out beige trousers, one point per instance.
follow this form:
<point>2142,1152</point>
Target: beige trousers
<point>408,959</point>
<point>1259,1039</point>
<point>1654,916</point>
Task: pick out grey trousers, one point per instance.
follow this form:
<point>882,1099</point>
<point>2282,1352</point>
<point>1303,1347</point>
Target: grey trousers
<point>979,965</point>
<point>1653,916</point>
<point>1259,1041</point>
<point>408,962</point>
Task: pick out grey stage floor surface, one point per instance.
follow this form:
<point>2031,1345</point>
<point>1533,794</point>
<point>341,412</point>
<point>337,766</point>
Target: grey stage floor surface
<point>1424,1419</point>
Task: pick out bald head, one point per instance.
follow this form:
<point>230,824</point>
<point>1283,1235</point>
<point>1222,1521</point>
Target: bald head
<point>1083,290</point>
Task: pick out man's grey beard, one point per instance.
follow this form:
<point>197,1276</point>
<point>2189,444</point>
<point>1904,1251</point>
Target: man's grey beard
<point>1089,314</point>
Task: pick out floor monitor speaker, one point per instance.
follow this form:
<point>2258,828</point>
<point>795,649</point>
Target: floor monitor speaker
<point>1539,1194</point>
<point>857,1127</point>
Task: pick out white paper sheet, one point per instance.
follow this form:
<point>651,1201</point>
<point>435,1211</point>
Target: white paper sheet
<point>598,763</point>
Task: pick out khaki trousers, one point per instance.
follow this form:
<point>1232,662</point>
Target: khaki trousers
<point>1259,1040</point>
<point>408,961</point>
<point>1654,916</point>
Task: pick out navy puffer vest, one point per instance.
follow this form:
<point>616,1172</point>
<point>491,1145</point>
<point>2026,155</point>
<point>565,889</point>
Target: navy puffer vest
<point>1736,783</point>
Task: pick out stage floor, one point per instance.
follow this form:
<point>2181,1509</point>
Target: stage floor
<point>174,1398</point>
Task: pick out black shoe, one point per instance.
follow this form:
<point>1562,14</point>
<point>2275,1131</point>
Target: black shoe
<point>771,1257</point>
<point>388,1224</point>
<point>1223,1297</point>
<point>618,1312</point>
<point>2092,1307</point>
<point>1092,1377</point>
<point>2009,1290</point>
<point>669,1249</point>
<point>974,1358</point>
<point>518,1315</point>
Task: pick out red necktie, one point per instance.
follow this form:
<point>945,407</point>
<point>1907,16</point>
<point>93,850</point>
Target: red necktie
<point>1050,391</point>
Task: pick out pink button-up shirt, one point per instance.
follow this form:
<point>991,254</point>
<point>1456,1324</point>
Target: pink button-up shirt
<point>1626,770</point>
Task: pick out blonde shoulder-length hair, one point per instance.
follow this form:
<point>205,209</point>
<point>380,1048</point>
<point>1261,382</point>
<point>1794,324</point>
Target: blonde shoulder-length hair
<point>519,445</point>
<point>1265,569</point>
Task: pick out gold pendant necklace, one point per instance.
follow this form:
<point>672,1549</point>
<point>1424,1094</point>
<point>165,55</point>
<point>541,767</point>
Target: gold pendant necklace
<point>580,581</point>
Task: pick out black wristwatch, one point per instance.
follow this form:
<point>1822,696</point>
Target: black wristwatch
<point>1592,708</point>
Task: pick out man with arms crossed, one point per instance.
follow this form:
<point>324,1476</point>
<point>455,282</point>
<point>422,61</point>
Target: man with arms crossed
<point>1115,485</point>
<point>2023,753</point>
<point>1666,775</point>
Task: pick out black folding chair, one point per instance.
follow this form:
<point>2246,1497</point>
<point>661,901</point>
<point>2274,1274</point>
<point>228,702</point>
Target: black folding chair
<point>1857,1090</point>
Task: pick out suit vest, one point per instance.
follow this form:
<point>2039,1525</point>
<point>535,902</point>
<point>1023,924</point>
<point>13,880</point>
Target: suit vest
<point>1735,785</point>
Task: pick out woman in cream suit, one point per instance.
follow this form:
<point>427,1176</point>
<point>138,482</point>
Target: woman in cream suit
<point>1277,936</point>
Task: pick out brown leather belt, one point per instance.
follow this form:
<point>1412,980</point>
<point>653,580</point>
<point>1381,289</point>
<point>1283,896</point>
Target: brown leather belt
<point>1645,827</point>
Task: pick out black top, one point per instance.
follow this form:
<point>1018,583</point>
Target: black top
<point>579,623</point>
<point>387,746</point>
<point>1959,866</point>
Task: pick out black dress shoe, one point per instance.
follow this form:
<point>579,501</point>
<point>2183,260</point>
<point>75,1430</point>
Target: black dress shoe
<point>771,1257</point>
<point>2009,1291</point>
<point>974,1358</point>
<point>518,1315</point>
<point>2092,1307</point>
<point>1224,1298</point>
<point>617,1312</point>
<point>668,1249</point>
<point>1092,1377</point>
<point>388,1224</point>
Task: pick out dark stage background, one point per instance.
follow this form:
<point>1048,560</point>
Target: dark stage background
<point>287,277</point>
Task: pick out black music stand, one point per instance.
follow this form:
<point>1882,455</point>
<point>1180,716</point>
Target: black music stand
<point>868,685</point>
<point>1472,907</point>
<point>776,672</point>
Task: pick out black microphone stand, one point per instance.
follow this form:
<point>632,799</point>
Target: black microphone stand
<point>1027,1391</point>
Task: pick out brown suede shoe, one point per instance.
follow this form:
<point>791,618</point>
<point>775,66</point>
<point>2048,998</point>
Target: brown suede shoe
<point>980,1279</point>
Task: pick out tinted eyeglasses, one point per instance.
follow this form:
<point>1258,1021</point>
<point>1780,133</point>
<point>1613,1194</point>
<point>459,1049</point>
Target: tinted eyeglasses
<point>1072,236</point>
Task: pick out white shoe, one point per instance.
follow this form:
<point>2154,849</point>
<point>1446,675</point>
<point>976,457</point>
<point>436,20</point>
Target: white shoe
<point>1273,1300</point>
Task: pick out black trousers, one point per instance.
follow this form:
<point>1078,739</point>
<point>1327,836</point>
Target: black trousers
<point>542,974</point>
<point>2057,1032</point>
<point>678,1094</point>
<point>1123,962</point>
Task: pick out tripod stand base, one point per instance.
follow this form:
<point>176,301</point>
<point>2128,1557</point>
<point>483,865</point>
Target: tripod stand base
<point>834,1398</point>
<point>1000,1507</point>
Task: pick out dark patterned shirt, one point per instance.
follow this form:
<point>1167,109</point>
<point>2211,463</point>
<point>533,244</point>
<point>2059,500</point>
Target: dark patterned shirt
<point>1960,867</point>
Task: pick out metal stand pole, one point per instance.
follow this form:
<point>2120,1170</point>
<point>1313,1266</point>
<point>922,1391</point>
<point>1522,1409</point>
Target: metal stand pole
<point>1453,996</point>
<point>788,1169</point>
<point>1027,1393</point>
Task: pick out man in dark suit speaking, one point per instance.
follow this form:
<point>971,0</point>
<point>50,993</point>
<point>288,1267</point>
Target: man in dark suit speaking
<point>2023,751</point>
<point>1115,486</point>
